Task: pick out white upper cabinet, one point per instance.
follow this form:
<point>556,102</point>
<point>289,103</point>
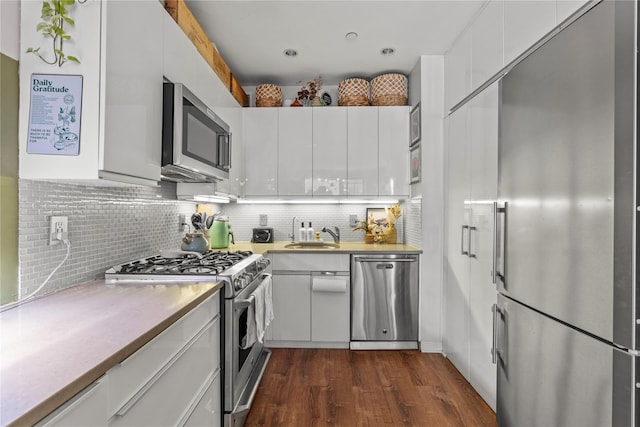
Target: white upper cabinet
<point>132,88</point>
<point>294,151</point>
<point>486,31</point>
<point>525,22</point>
<point>329,151</point>
<point>324,151</point>
<point>260,134</point>
<point>457,69</point>
<point>362,134</point>
<point>393,151</point>
<point>564,8</point>
<point>121,109</point>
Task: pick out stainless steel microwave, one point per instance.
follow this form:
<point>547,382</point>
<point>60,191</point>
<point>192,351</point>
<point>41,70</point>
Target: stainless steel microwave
<point>196,143</point>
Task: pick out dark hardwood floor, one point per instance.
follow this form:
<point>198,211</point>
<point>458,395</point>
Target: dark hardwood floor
<point>322,387</point>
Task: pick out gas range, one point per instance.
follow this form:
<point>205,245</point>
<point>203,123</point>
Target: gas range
<point>237,269</point>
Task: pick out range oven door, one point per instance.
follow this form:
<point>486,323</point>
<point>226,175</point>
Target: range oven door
<point>244,367</point>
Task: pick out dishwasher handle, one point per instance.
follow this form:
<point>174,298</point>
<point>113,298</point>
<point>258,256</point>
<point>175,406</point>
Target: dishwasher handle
<point>410,259</point>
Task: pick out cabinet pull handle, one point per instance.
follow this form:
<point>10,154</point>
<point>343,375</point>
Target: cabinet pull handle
<point>462,251</point>
<point>471,230</point>
<point>143,390</point>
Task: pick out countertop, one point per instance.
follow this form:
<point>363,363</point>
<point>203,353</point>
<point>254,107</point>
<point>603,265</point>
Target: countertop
<point>345,247</point>
<point>54,346</point>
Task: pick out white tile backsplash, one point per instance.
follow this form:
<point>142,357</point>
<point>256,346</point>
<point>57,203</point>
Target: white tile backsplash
<point>111,225</point>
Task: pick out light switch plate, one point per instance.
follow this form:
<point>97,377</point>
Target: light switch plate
<point>263,220</point>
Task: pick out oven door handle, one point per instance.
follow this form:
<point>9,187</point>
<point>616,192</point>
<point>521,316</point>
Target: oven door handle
<point>242,303</point>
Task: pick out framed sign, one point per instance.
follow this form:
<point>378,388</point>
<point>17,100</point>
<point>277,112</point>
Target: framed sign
<point>415,163</point>
<point>55,111</point>
<point>414,124</point>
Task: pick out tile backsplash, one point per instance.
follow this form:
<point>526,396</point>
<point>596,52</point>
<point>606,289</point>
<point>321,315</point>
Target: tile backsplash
<point>110,225</point>
<point>107,225</point>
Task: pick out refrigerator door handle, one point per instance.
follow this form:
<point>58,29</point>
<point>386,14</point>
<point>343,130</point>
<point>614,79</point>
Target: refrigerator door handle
<point>471,254</point>
<point>494,356</point>
<point>462,251</point>
<point>494,252</point>
<point>500,239</point>
<point>497,351</point>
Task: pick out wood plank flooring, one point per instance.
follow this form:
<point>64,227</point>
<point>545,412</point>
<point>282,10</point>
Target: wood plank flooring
<point>328,387</point>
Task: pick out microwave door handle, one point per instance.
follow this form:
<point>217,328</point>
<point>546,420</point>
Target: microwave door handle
<point>224,151</point>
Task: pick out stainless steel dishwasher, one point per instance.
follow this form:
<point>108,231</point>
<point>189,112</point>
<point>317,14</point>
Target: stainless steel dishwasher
<point>384,301</point>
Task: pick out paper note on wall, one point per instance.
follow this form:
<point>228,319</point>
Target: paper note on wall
<point>55,111</point>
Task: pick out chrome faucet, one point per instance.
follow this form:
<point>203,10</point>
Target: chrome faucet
<point>293,229</point>
<point>336,235</point>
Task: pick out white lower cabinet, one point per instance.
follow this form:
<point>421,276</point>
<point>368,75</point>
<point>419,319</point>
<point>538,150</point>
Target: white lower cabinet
<point>208,406</point>
<point>87,409</point>
<point>164,383</point>
<point>291,307</point>
<point>330,308</point>
<point>311,301</point>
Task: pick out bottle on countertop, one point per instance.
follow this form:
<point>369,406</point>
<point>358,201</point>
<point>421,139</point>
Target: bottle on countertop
<point>302,234</point>
<point>310,233</point>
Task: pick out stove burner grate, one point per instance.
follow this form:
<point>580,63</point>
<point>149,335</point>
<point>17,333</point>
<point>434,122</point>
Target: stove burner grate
<point>209,263</point>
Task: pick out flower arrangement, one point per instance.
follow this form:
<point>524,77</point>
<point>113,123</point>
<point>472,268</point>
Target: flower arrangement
<point>309,92</point>
<point>393,213</point>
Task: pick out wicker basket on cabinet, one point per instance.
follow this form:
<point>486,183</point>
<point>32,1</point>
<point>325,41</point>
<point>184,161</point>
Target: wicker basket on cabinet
<point>389,89</point>
<point>353,92</point>
<point>268,95</point>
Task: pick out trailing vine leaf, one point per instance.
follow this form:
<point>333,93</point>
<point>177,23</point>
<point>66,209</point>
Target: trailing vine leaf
<point>54,14</point>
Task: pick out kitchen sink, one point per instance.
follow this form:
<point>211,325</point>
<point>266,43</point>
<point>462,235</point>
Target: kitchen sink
<point>312,245</point>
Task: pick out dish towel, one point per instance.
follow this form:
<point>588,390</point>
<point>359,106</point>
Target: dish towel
<point>259,314</point>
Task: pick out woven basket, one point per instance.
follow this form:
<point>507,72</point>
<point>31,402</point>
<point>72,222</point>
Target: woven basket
<point>268,95</point>
<point>353,92</point>
<point>389,89</point>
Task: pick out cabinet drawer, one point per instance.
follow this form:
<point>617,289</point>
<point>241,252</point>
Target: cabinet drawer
<point>129,376</point>
<point>208,410</point>
<point>310,262</point>
<point>86,409</point>
<point>165,398</point>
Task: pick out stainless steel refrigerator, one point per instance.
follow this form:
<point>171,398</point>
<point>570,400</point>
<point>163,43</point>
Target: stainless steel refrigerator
<point>566,321</point>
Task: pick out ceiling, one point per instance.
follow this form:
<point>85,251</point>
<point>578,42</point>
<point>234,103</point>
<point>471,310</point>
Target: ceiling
<point>252,36</point>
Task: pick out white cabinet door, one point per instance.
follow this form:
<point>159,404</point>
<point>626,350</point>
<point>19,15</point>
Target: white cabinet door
<point>393,128</point>
<point>295,157</point>
<point>133,60</point>
<point>87,409</point>
<point>487,43</point>
<point>362,161</point>
<point>482,292</point>
<point>330,308</point>
<point>525,22</point>
<point>260,131</point>
<point>457,69</point>
<point>291,308</point>
<point>329,151</point>
<point>208,409</point>
<point>457,237</point>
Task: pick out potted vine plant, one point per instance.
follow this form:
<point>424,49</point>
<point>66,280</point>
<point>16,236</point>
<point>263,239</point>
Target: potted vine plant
<point>55,14</point>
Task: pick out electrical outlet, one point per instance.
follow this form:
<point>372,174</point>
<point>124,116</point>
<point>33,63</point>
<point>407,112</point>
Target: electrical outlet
<point>58,229</point>
<point>181,222</point>
<point>353,220</point>
<point>263,220</point>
